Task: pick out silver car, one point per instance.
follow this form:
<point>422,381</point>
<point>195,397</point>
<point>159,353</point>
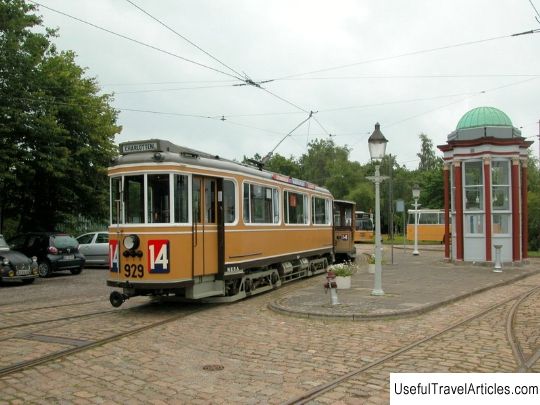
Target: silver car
<point>95,247</point>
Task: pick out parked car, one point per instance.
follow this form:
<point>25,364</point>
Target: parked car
<point>54,251</point>
<point>15,266</point>
<point>95,248</point>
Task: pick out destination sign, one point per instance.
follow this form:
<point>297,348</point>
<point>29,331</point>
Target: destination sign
<point>138,147</point>
<point>292,180</point>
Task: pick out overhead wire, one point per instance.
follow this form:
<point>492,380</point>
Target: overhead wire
<point>454,102</point>
<point>170,89</point>
<point>246,79</point>
<point>239,75</point>
<point>385,58</point>
<point>163,83</point>
<point>536,11</point>
<point>134,40</point>
<point>437,76</point>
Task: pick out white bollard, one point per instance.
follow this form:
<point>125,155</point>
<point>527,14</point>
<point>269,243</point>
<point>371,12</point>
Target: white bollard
<point>498,264</point>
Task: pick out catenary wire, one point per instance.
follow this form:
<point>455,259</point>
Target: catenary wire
<point>534,7</point>
<point>385,58</point>
<point>239,75</point>
<point>135,40</point>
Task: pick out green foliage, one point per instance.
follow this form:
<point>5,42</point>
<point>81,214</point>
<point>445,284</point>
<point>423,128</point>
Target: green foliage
<point>280,164</point>
<point>533,202</point>
<point>428,159</point>
<point>56,131</point>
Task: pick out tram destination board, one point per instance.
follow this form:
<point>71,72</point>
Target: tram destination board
<point>137,147</point>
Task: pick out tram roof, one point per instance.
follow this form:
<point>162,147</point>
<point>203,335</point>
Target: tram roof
<point>163,151</point>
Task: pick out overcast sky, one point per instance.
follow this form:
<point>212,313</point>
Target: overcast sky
<point>403,64</point>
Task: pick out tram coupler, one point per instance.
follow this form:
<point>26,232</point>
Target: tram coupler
<point>116,298</point>
<point>330,284</point>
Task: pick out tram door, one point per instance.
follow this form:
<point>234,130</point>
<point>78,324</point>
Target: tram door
<point>205,226</point>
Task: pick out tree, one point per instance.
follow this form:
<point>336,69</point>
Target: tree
<point>533,202</point>
<point>428,159</point>
<point>56,131</point>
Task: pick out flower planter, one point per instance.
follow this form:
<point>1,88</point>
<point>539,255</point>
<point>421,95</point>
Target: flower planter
<point>343,283</point>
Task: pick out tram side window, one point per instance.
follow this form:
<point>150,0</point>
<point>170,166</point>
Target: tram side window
<point>320,211</point>
<point>296,208</point>
<point>428,218</point>
<point>260,204</point>
<point>158,203</point>
<point>134,199</point>
<point>229,201</point>
<point>116,200</point>
<point>181,199</point>
<point>209,201</point>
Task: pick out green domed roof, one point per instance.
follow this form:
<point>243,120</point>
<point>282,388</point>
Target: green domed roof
<point>484,117</point>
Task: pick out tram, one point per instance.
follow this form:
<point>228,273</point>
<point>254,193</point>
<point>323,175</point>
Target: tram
<point>363,224</point>
<point>430,225</point>
<point>200,227</point>
<point>344,248</point>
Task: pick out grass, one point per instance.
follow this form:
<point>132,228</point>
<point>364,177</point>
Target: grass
<point>533,253</point>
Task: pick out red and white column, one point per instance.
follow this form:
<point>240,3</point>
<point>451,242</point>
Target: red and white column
<point>459,210</point>
<point>516,224</point>
<point>524,212</point>
<point>447,239</point>
<point>487,206</point>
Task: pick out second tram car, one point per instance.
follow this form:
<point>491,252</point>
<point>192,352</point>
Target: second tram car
<point>363,224</point>
<point>344,248</point>
<point>197,226</point>
<point>430,225</point>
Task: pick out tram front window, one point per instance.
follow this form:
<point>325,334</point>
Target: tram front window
<point>116,197</point>
<point>158,199</point>
<point>134,199</point>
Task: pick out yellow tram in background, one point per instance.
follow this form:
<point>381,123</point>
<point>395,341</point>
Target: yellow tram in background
<point>430,225</point>
<point>197,226</point>
<point>363,223</point>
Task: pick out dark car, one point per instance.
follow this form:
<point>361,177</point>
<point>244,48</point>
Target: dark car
<point>14,266</point>
<point>54,251</point>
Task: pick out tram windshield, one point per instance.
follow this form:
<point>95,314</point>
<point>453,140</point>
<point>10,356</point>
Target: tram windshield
<point>148,198</point>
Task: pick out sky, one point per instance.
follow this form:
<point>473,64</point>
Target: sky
<point>413,66</point>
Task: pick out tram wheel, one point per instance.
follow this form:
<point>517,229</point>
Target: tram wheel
<point>116,299</point>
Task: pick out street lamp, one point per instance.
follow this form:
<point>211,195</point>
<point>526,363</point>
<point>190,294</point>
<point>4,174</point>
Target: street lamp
<point>416,196</point>
<point>377,147</point>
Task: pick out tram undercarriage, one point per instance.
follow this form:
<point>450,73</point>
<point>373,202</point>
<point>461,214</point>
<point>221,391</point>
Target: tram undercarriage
<point>233,287</point>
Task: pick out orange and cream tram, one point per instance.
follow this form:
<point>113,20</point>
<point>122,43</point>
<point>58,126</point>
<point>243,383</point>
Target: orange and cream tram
<point>197,226</point>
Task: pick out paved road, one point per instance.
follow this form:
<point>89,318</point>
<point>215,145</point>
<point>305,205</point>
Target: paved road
<point>91,283</point>
<point>258,355</point>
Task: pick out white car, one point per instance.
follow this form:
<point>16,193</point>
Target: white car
<point>95,247</point>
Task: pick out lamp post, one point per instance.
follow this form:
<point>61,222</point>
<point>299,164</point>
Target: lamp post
<point>416,195</point>
<point>377,147</point>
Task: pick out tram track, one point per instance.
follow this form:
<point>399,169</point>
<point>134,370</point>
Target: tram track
<point>523,364</point>
<point>86,345</point>
<point>48,321</point>
<point>49,307</point>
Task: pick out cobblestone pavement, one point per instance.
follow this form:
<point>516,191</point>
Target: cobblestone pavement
<point>267,357</point>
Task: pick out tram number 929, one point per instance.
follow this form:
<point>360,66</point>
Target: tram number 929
<point>134,271</point>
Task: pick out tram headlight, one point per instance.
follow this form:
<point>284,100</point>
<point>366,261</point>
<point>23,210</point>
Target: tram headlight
<point>131,242</point>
